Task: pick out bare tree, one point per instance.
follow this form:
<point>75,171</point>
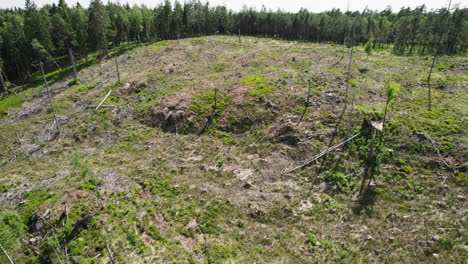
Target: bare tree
<point>56,122</point>
<point>340,118</point>
<point>117,67</point>
<point>2,80</point>
<point>307,104</point>
<point>72,58</point>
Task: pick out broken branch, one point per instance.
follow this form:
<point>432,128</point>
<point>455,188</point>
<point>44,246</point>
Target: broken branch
<point>321,154</point>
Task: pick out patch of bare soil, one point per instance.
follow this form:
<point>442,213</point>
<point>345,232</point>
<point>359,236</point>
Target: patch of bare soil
<point>113,182</point>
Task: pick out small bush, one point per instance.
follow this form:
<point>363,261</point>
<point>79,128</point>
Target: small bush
<point>340,181</point>
<point>90,184</point>
<point>72,82</point>
<point>85,87</point>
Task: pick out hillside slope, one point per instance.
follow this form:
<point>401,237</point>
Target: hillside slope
<point>164,176</point>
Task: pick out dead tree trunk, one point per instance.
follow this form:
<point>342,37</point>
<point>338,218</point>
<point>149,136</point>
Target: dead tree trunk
<point>178,31</point>
<point>117,67</point>
<point>4,88</point>
<point>56,122</point>
<point>350,119</point>
<point>337,125</point>
<point>306,106</point>
<point>72,59</point>
<point>6,254</point>
<point>369,168</point>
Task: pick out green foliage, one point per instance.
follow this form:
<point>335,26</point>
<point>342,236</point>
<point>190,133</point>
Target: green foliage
<point>391,89</point>
<point>90,184</point>
<point>81,167</point>
<point>258,81</point>
<point>371,112</point>
<point>253,80</point>
<point>341,182</point>
<point>163,187</point>
<point>203,103</point>
<point>85,87</point>
<point>12,229</point>
<point>11,101</point>
<point>73,82</point>
<point>33,200</point>
<point>369,46</point>
<point>218,253</point>
<point>318,246</point>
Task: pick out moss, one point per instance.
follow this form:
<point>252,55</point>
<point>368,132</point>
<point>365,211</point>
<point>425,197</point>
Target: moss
<point>163,187</point>
<point>90,184</point>
<point>11,101</point>
<point>203,103</point>
<point>219,253</point>
<point>85,87</point>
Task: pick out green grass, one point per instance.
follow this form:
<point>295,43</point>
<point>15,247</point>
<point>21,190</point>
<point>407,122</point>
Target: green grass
<point>9,102</point>
<point>258,81</point>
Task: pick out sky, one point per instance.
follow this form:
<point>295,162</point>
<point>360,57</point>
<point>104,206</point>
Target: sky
<point>287,5</point>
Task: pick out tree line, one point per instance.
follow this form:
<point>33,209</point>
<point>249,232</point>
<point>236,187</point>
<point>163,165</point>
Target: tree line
<point>29,35</point>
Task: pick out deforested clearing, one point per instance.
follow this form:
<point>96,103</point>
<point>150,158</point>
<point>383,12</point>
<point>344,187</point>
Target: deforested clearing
<point>190,157</point>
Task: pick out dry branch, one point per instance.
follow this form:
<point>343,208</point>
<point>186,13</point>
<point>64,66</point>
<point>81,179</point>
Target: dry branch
<point>321,154</point>
<point>100,104</point>
<point>110,254</point>
<point>6,254</point>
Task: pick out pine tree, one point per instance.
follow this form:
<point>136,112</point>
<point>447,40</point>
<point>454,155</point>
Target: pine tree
<point>97,26</point>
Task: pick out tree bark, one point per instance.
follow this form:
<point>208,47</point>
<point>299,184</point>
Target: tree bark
<point>117,67</point>
<point>72,59</point>
<point>3,81</point>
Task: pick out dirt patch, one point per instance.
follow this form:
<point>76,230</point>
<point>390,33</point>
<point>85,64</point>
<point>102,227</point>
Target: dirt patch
<point>170,119</point>
<point>113,182</point>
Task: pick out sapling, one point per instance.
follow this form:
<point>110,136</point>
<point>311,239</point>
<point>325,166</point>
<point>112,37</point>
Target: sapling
<point>369,47</point>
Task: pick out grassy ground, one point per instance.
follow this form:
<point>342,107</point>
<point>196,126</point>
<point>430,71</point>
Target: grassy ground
<point>164,176</point>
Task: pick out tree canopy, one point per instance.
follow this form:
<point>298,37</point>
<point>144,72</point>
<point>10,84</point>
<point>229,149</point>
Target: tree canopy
<point>55,28</point>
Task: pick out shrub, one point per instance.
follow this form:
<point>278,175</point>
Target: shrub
<point>340,181</point>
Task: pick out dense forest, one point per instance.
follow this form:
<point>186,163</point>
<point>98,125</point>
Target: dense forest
<point>34,34</point>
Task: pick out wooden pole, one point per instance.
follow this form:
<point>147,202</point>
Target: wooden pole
<point>239,36</point>
<point>6,254</point>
